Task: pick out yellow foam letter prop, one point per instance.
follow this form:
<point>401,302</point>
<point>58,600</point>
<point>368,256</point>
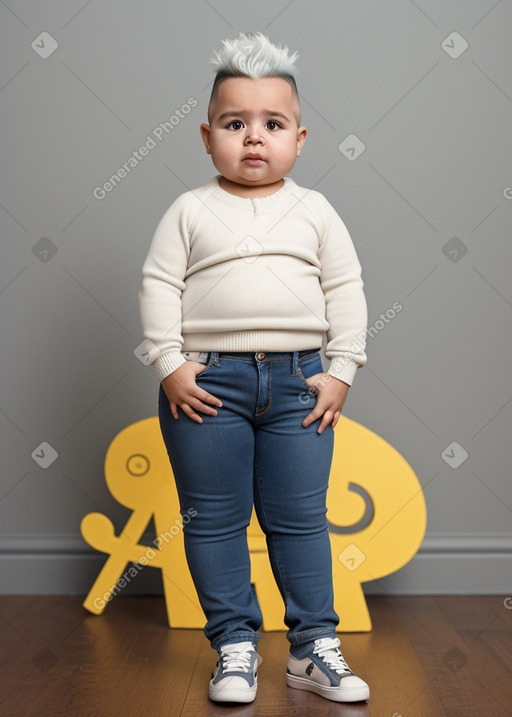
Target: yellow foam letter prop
<point>376,513</point>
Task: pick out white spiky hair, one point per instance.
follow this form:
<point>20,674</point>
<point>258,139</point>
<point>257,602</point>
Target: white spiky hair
<point>253,55</point>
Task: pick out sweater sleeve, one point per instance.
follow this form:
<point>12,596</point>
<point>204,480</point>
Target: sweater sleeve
<point>163,275</point>
<point>346,309</point>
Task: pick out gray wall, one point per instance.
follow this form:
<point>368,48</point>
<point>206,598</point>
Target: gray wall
<point>428,204</point>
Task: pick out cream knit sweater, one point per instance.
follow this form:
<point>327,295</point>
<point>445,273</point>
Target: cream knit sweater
<point>276,273</point>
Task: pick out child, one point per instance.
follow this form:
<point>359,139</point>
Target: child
<point>243,278</point>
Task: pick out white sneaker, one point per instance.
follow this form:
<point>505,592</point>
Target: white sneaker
<point>236,678</point>
<point>321,668</point>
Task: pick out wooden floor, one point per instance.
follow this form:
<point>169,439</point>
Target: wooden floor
<point>426,657</point>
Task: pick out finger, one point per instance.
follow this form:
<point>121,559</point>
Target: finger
<point>315,413</point>
<point>205,396</point>
<point>320,408</point>
<point>326,420</point>
<point>196,403</point>
<point>204,408</point>
<point>307,420</point>
<point>191,413</point>
<point>174,409</point>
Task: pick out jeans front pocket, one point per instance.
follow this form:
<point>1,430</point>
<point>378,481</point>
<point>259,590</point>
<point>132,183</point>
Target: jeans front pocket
<point>207,366</point>
<point>309,366</point>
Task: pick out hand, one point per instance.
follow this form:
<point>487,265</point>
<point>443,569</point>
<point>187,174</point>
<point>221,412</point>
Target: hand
<point>331,394</point>
<point>182,390</point>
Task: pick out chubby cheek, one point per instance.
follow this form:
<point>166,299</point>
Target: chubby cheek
<point>222,156</point>
<point>225,150</point>
<point>284,146</point>
<point>285,156</point>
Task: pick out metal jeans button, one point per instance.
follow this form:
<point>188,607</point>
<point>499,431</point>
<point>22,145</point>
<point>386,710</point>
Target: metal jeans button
<point>260,355</point>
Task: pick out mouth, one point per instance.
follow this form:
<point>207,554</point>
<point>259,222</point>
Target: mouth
<point>253,159</point>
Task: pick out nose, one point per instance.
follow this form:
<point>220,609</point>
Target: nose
<point>253,135</point>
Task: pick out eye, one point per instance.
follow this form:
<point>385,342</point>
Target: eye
<point>273,122</point>
<point>238,124</point>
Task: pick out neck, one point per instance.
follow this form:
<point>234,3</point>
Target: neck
<point>244,190</point>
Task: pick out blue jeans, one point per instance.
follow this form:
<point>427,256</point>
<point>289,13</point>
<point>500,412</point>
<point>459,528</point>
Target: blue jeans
<point>256,451</point>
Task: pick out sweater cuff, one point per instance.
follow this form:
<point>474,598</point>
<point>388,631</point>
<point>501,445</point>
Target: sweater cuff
<point>343,368</point>
<point>166,364</point>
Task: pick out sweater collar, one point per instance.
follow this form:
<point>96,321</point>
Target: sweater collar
<point>251,203</point>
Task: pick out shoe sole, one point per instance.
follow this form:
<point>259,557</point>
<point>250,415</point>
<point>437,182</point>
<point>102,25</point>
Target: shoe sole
<point>226,694</point>
<point>355,694</point>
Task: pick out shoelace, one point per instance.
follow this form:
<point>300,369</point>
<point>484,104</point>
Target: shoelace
<point>239,661</point>
<point>329,653</point>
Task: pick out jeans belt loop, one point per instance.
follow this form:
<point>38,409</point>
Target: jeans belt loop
<point>295,362</point>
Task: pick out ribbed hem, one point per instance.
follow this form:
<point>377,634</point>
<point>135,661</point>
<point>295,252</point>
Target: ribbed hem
<point>343,368</point>
<point>166,364</point>
<point>253,341</point>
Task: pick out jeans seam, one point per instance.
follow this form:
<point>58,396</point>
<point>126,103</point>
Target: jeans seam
<point>269,403</point>
<point>269,535</point>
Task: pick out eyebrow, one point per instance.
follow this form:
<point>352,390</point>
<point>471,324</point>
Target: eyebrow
<point>239,113</point>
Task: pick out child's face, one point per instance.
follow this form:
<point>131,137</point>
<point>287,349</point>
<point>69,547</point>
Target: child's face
<point>254,117</point>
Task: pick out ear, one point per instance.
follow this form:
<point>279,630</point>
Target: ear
<point>302,133</point>
<point>205,134</point>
